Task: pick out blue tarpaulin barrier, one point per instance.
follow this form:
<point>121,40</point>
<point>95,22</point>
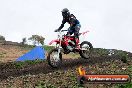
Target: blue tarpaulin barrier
<point>37,53</point>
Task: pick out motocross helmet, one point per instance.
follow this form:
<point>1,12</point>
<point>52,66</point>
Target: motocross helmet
<point>65,13</point>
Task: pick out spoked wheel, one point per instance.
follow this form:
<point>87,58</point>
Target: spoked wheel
<point>54,58</point>
<point>86,49</point>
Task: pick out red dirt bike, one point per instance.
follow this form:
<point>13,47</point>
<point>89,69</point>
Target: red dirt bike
<point>66,44</point>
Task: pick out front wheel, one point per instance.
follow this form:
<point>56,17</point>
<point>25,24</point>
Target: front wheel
<point>54,58</point>
<point>86,49</point>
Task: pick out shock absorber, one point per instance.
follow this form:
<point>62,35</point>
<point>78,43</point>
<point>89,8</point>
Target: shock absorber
<point>70,45</point>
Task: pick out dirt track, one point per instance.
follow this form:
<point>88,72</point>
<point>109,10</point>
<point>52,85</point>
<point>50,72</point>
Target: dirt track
<point>45,68</point>
<point>63,77</point>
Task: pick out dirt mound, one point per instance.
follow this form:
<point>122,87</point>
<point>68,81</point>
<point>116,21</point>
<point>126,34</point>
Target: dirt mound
<point>64,76</point>
<point>30,75</point>
<point>10,52</point>
<point>8,69</point>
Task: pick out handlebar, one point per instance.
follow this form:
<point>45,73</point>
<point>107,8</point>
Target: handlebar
<point>61,31</point>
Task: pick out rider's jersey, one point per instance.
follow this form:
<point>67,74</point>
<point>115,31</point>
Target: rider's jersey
<point>71,20</point>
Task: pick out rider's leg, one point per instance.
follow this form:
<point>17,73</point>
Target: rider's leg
<point>70,31</point>
<point>76,34</point>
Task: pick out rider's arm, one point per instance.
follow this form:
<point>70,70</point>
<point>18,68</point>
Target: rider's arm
<point>62,25</point>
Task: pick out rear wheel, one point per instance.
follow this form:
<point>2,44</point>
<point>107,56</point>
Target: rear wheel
<point>54,58</point>
<point>86,49</point>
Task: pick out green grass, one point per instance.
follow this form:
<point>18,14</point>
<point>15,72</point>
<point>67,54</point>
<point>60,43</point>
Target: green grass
<point>22,64</point>
<point>48,48</point>
<point>128,85</point>
<point>42,84</point>
<point>130,67</point>
<point>104,52</point>
<point>124,57</point>
<point>2,54</point>
<point>29,47</point>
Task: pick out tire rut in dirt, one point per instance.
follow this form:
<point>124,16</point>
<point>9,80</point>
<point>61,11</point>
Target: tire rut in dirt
<point>45,68</point>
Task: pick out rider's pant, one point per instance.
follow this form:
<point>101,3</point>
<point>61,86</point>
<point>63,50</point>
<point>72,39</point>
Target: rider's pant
<point>75,30</point>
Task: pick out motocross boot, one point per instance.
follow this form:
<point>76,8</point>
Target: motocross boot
<point>76,42</point>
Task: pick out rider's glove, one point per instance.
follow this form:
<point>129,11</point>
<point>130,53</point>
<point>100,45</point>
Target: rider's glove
<point>56,30</point>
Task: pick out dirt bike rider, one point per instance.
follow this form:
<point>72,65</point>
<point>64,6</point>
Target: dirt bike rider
<point>74,24</point>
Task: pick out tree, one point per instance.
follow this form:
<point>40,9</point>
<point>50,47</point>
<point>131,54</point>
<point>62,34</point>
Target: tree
<point>41,40</point>
<point>2,38</point>
<point>37,39</point>
<point>24,41</point>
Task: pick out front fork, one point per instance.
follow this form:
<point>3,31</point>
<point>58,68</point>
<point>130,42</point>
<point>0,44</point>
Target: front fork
<point>59,48</point>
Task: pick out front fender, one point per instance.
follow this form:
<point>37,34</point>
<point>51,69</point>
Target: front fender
<point>57,41</point>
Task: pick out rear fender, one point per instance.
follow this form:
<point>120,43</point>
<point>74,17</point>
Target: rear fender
<point>56,41</point>
<point>83,33</point>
